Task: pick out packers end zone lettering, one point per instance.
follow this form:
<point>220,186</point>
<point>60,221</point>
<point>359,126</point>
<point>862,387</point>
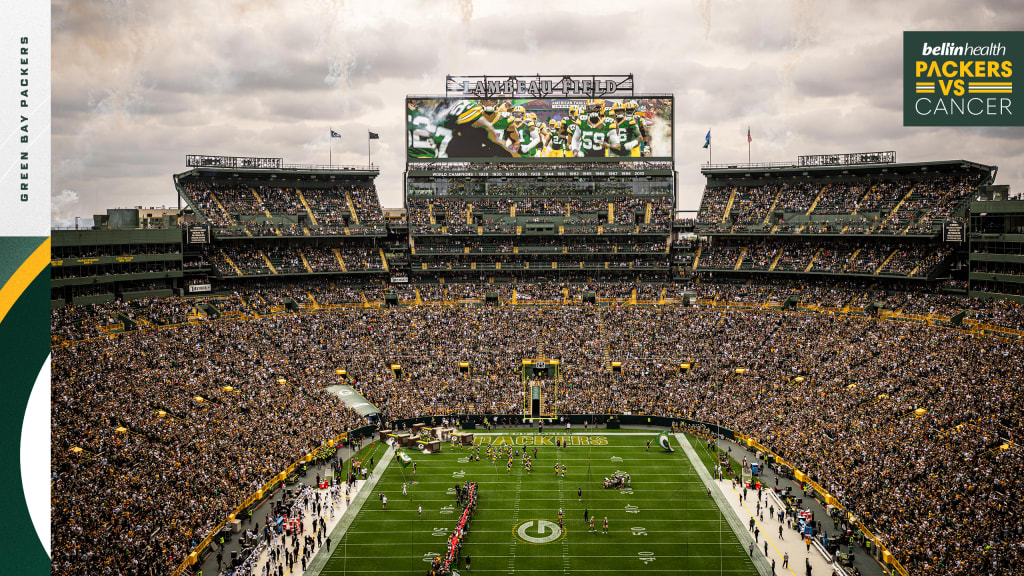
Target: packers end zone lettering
<point>537,440</point>
<point>960,78</point>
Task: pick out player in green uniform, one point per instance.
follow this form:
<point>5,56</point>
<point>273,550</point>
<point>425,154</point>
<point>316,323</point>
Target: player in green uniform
<point>596,134</point>
<point>464,132</point>
<point>629,134</point>
<point>556,141</point>
<point>421,131</point>
<point>529,139</point>
<point>645,141</point>
<point>572,124</point>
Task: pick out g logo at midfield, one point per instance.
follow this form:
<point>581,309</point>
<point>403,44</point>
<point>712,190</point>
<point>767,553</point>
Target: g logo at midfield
<point>538,532</point>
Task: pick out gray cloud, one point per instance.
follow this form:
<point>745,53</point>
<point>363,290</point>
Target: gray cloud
<point>136,86</point>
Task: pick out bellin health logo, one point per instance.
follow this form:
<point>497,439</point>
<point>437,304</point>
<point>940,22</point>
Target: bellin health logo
<point>960,78</point>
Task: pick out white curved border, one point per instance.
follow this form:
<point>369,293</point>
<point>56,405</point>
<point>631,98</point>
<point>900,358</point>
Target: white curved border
<point>35,455</point>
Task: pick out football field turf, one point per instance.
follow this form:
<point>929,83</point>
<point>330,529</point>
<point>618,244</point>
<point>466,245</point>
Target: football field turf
<point>664,524</point>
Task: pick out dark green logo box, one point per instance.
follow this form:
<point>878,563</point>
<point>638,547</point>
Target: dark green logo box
<point>962,79</point>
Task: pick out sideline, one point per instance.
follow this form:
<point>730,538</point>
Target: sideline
<point>316,565</point>
<point>760,562</point>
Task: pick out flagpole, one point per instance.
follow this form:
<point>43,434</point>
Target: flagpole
<point>369,159</point>
<point>748,144</point>
<point>330,147</point>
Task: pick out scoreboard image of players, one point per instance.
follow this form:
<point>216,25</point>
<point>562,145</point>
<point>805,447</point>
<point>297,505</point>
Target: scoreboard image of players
<point>541,128</point>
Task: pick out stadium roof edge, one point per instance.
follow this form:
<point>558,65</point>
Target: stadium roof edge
<point>461,96</point>
<point>290,170</point>
<point>743,169</point>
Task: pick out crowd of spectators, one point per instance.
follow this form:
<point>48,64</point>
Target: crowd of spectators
<point>833,256</point>
<point>242,210</point>
<point>166,450</point>
<point>254,260</point>
<point>902,422</point>
<point>878,204</point>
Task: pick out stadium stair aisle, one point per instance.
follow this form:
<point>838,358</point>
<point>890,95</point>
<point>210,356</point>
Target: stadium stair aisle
<point>341,261</point>
<point>851,258</point>
<point>769,529</point>
<point>739,261</point>
<point>728,207</point>
<point>886,261</point>
<point>771,210</point>
<point>895,209</point>
<point>813,258</point>
<point>352,208</point>
<point>815,203</point>
<point>312,217</point>
<point>344,520</point>
<point>222,209</point>
<point>267,260</point>
<point>232,264</point>
<point>305,263</point>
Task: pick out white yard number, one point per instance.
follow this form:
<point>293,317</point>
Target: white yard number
<point>459,474</point>
<point>630,509</point>
<point>626,491</point>
<point>646,557</point>
<point>429,557</point>
<point>639,531</point>
<point>439,532</point>
<point>463,460</point>
<point>450,492</point>
<point>616,459</point>
<point>447,509</point>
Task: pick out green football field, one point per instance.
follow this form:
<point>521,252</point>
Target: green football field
<point>665,523</point>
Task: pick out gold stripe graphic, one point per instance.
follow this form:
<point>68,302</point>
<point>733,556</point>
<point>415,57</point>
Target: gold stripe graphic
<point>23,276</point>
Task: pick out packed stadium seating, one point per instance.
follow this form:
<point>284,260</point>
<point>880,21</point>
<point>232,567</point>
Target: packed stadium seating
<point>866,399</point>
<point>255,209</point>
<point>907,407</point>
<point>864,204</point>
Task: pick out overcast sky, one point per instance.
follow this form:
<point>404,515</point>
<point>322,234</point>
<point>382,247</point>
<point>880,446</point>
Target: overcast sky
<point>138,85</point>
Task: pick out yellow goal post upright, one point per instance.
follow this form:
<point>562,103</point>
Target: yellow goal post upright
<point>540,378</point>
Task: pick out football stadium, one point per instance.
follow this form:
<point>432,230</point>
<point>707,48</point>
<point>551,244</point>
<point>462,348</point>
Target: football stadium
<point>539,363</point>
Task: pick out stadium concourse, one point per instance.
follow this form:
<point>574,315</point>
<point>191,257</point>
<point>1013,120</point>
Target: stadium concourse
<point>910,426</point>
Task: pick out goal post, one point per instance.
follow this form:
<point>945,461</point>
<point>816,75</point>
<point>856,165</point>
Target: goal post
<point>540,388</point>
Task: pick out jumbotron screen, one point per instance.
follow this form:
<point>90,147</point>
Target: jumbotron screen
<point>580,129</point>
